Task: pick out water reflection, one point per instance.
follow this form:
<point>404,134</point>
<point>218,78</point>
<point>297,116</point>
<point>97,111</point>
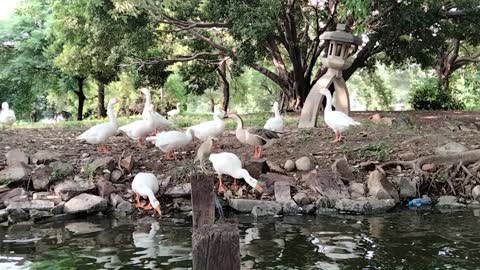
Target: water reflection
<point>404,240</point>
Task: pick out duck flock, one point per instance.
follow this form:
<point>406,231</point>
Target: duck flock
<point>153,128</point>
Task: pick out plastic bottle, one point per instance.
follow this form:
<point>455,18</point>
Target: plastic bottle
<point>419,202</point>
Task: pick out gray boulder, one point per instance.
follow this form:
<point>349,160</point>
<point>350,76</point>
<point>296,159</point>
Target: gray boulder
<point>450,148</point>
<point>356,190</point>
<point>304,164</point>
<point>45,157</point>
<point>302,199</point>
<point>282,192</point>
<point>246,206</point>
<point>41,205</point>
<point>183,190</point>
<point>309,209</point>
<point>71,188</point>
<point>342,169</point>
<point>380,188</point>
<point>85,203</point>
<point>3,215</point>
<point>365,205</point>
<point>266,209</point>
<point>449,202</point>
<point>60,170</point>
<point>476,193</point>
<point>37,215</point>
<point>41,177</point>
<point>18,215</point>
<point>15,156</point>
<point>15,174</point>
<point>290,208</point>
<point>289,165</point>
<point>407,187</point>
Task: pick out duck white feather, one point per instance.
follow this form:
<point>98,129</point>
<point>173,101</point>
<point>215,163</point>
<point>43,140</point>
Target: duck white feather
<point>213,128</point>
<point>98,134</point>
<point>168,141</point>
<point>275,123</point>
<point>229,164</point>
<point>141,128</point>
<point>146,185</point>
<point>159,121</point>
<point>174,112</point>
<point>7,116</point>
<point>336,120</point>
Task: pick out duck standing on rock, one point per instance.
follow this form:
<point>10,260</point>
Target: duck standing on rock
<point>257,137</point>
<point>140,129</point>
<point>146,185</point>
<point>275,123</point>
<point>229,164</point>
<point>336,120</point>
<point>98,134</point>
<point>159,122</point>
<point>7,116</point>
<point>169,141</point>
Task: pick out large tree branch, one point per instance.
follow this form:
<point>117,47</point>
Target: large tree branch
<point>453,54</point>
<point>185,25</point>
<point>465,60</point>
<point>271,75</point>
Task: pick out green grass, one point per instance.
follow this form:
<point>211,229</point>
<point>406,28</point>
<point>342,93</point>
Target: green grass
<point>180,121</point>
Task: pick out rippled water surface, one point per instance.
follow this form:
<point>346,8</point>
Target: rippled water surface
<point>402,240</point>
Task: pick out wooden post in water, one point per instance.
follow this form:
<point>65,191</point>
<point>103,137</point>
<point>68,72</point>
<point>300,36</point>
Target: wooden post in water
<point>214,246</point>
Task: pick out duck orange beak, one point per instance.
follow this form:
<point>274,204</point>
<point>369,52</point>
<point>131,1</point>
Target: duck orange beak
<point>259,188</point>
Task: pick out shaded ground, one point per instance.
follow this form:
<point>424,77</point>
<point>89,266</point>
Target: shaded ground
<point>375,142</point>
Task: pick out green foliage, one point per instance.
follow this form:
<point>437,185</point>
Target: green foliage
<point>380,151</point>
<point>427,95</point>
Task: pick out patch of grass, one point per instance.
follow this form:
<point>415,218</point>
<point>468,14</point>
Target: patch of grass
<point>89,169</point>
<point>380,151</point>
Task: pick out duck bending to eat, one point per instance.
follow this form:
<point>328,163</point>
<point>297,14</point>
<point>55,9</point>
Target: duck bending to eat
<point>257,137</point>
<point>146,185</point>
<point>98,134</point>
<point>336,120</point>
<point>140,129</point>
<point>159,121</point>
<point>168,141</point>
<point>7,116</point>
<point>229,164</point>
<point>275,123</point>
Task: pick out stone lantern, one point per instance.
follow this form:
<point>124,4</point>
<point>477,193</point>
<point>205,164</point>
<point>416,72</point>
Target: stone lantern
<point>340,46</point>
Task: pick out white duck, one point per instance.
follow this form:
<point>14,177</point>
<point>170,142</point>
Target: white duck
<point>146,185</point>
<point>140,129</point>
<point>212,128</point>
<point>98,134</point>
<point>336,120</point>
<point>168,141</point>
<point>174,112</point>
<point>257,137</point>
<point>159,121</point>
<point>229,164</point>
<point>275,123</point>
<point>7,116</point>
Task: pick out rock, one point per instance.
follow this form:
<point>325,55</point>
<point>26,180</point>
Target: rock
<point>290,208</point>
<point>58,209</point>
<point>3,215</point>
<point>246,205</point>
<point>324,203</point>
<point>263,210</point>
<point>15,156</point>
<point>18,215</point>
<point>45,157</point>
<point>182,204</point>
<point>282,192</point>
<point>302,199</point>
<point>407,187</point>
<point>47,196</point>
<point>85,203</point>
<point>309,209</point>
<point>304,164</point>
<point>61,170</point>
<point>116,175</point>
<point>183,190</point>
<point>342,170</point>
<point>71,188</point>
<point>105,188</point>
<point>11,194</point>
<point>127,163</point>
<point>364,205</point>
<point>37,215</point>
<point>368,165</point>
<point>289,165</point>
<point>41,205</point>
<point>449,202</point>
<point>41,177</point>
<point>429,167</point>
<point>274,167</point>
<point>115,199</point>
<point>407,155</point>
<point>271,178</point>
<point>15,174</point>
<point>125,207</point>
<point>357,188</point>
<point>450,148</point>
<point>326,185</point>
<point>79,228</point>
<point>256,167</point>
<point>98,165</point>
<point>476,193</point>
<point>21,198</point>
<point>380,188</point>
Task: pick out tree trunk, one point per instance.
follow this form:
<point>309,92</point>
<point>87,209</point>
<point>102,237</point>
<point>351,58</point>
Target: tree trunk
<point>101,100</point>
<point>212,105</point>
<point>81,98</point>
<point>222,72</point>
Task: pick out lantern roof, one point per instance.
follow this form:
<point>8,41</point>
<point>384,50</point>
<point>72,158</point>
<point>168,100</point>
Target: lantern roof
<point>341,35</point>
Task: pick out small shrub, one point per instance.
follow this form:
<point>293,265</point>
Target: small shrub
<point>428,96</point>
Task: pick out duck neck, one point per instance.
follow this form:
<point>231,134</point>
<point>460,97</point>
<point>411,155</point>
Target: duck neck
<point>239,122</point>
<point>277,112</point>
<point>246,176</point>
<point>328,96</point>
<point>111,115</point>
<point>151,197</point>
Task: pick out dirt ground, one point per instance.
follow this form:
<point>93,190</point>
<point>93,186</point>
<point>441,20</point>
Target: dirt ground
<point>371,141</point>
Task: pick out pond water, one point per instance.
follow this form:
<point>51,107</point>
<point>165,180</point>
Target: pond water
<point>400,240</point>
